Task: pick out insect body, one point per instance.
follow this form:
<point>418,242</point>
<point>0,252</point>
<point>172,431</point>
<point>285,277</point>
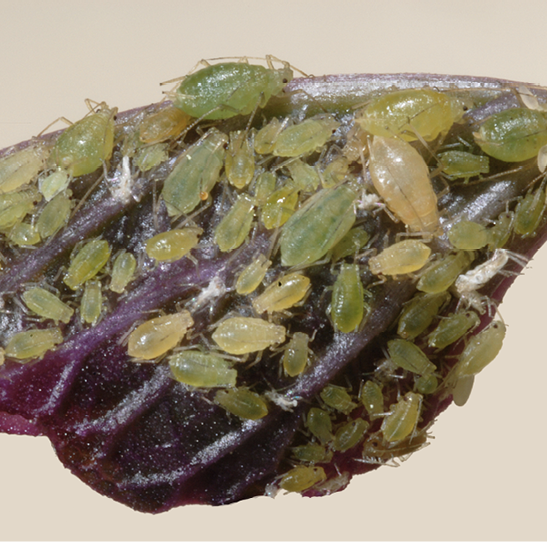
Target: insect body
<point>529,212</point>
<point>240,164</point>
<point>350,434</point>
<point>87,263</point>
<point>27,345</point>
<point>337,398</point>
<point>372,397</point>
<point>202,370</point>
<point>441,275</point>
<point>282,293</point>
<point>419,312</point>
<point>47,305</point>
<point>296,354</point>
<point>122,271</point>
<point>410,357</point>
<point>452,328</point>
<point>402,420</point>
<point>348,307</point>
<point>400,258</point>
<point>164,124</point>
<point>251,277</point>
<point>235,226</point>
<point>92,302</point>
<point>20,168</point>
<point>172,245</point>
<point>54,215</point>
<point>463,165</point>
<point>242,402</point>
<point>301,478</point>
<point>468,235</point>
<point>54,184</point>
<point>319,423</point>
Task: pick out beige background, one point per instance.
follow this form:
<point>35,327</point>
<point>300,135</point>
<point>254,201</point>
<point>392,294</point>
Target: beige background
<point>484,475</point>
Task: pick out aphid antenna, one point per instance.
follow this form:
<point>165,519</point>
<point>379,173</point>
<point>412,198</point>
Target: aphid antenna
<point>58,119</point>
<point>501,175</point>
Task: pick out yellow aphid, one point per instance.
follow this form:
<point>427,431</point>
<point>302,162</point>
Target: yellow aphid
<point>242,402</point>
<point>400,258</point>
<point>47,305</point>
<point>24,234</point>
<point>282,294</point>
<point>54,215</point>
<point>296,354</point>
<point>202,369</point>
<point>159,335</point>
<point>172,245</point>
<point>468,235</point>
<point>167,123</point>
<point>91,258</point>
<point>92,302</point>
<point>251,277</point>
<point>123,271</point>
<point>301,478</point>
<point>28,345</point>
<point>20,168</point>
<point>239,162</point>
<point>14,206</point>
<point>55,183</point>
<point>403,418</point>
<point>235,226</point>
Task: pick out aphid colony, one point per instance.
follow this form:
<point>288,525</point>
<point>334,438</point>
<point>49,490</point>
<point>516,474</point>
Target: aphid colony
<point>281,201</point>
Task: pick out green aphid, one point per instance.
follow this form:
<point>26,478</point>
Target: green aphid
<point>195,174</point>
<point>350,434</point>
<point>151,156</point>
<point>308,136</point>
<point>22,167</point>
<point>47,305</point>
<point>23,234</point>
<point>14,206</point>
<point>234,228</point>
<point>279,206</point>
<point>251,277</point>
<point>85,145</point>
<point>296,356</point>
<point>468,235</point>
<point>372,397</point>
<point>410,357</point>
<point>92,302</point>
<point>123,271</point>
<point>228,89</point>
<point>440,275</point>
<point>348,307</point>
<point>403,418</point>
<point>335,172</point>
<point>463,165</point>
<point>529,212</point>
<point>400,258</point>
<point>301,478</point>
<point>202,370</point>
<point>239,162</point>
<point>54,215</point>
<point>264,187</point>
<point>513,135</point>
<point>304,176</point>
<point>319,423</point>
<point>499,233</point>
<point>282,294</point>
<point>266,137</point>
<point>452,328</point>
<point>337,398</point>
<point>55,183</point>
<point>418,314</point>
<point>427,384</point>
<point>317,226</point>
<point>89,260</point>
<point>32,344</point>
<point>242,402</point>
<point>350,244</point>
<point>173,245</point>
<point>312,453</point>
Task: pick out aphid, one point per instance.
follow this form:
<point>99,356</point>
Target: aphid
<point>513,135</point>
<point>406,113</point>
<point>312,453</point>
<point>21,167</point>
<point>529,212</point>
<point>251,277</point>
<point>347,306</point>
<point>123,271</point>
<point>296,354</point>
<point>159,335</point>
<point>383,451</point>
<point>87,144</point>
<point>55,183</point>
<point>202,370</point>
<point>279,206</point>
<point>282,294</point>
<point>372,397</point>
<point>427,384</point>
<point>452,328</point>
<point>151,156</point>
<point>350,434</point>
<point>309,135</point>
<point>172,245</point>
<point>54,215</point>
<point>233,229</point>
<point>14,206</point>
<point>402,420</point>
<point>410,357</point>
<point>23,234</point>
<point>419,312</point>
<point>195,174</point>
<point>224,90</point>
<point>304,176</point>
<point>481,349</point>
<point>301,478</point>
<point>400,258</point>
<point>463,165</point>
<point>350,244</point>
<point>242,402</point>
<point>239,163</point>
<point>335,172</point>
<point>47,305</point>
<point>167,123</point>
<point>468,235</point>
<point>264,187</point>
<point>90,259</point>
<point>319,423</point>
<point>266,137</point>
<point>337,398</point>
<point>92,302</point>
<point>34,343</point>
<point>242,335</point>
<point>440,275</point>
<point>401,177</point>
<point>317,226</point>
<point>499,233</point>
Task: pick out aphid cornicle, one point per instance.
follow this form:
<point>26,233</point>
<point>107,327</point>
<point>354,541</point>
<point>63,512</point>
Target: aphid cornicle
<point>89,260</point>
<point>224,90</point>
<point>400,258</point>
<point>401,177</point>
<point>282,294</point>
<point>34,343</point>
<point>242,402</point>
<point>202,369</point>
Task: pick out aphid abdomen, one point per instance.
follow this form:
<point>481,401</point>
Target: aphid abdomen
<point>337,398</point>
<point>452,328</point>
<point>92,302</point>
<point>442,274</point>
<point>251,277</point>
<point>54,215</point>
<point>20,168</point>
<point>239,164</point>
<point>301,478</point>
<point>419,312</point>
<point>410,357</point>
<point>372,397</point>
<point>172,245</point>
<point>319,423</point>
<point>123,271</point>
<point>296,355</point>
<point>350,434</point>
<point>87,263</point>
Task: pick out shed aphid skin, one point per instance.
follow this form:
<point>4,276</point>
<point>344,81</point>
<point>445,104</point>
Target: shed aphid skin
<point>87,263</point>
<point>463,165</point>
<point>401,177</point>
<point>227,89</point>
<point>47,305</point>
<point>92,302</point>
<point>202,369</point>
<point>20,168</point>
<point>250,278</point>
<point>282,294</point>
<point>234,228</point>
<point>400,258</point>
<point>242,402</point>
<point>406,113</point>
<point>301,478</point>
<point>27,345</point>
<point>403,418</point>
<point>123,271</point>
<point>173,245</point>
<point>296,355</point>
<point>159,335</point>
<point>243,335</point>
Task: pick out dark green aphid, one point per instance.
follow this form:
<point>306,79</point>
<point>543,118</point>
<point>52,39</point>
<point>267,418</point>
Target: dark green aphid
<point>337,398</point>
<point>418,314</point>
<point>410,357</point>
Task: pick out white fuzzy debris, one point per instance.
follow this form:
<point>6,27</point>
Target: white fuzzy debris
<point>369,202</point>
<point>122,182</point>
<point>214,289</point>
<point>286,404</point>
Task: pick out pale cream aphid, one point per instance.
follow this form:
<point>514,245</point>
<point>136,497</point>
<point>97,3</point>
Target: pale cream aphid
<point>300,478</point>
<point>47,305</point>
<point>403,418</point>
<point>54,183</point>
<point>87,263</point>
<point>202,369</point>
<point>466,286</point>
<point>312,453</point>
<point>418,314</point>
<point>239,162</point>
<point>296,355</point>
<point>242,402</point>
<point>319,424</point>
<point>167,123</point>
<point>440,275</point>
<point>350,434</point>
<point>252,276</point>
<point>173,245</point>
<point>401,177</point>
<point>305,137</point>
<point>235,226</point>
<point>14,206</point>
<point>24,235</point>
<point>22,167</point>
<point>92,302</point>
<point>348,308</point>
<point>317,226</point>
<point>282,294</point>
<point>85,145</point>
<point>54,215</point>
<point>243,335</point>
<point>158,335</point>
<point>372,397</point>
<point>408,356</point>
<point>400,258</point>
<point>33,343</point>
<point>123,271</point>
<point>337,398</point>
<point>468,235</point>
<point>195,174</point>
<point>452,328</point>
